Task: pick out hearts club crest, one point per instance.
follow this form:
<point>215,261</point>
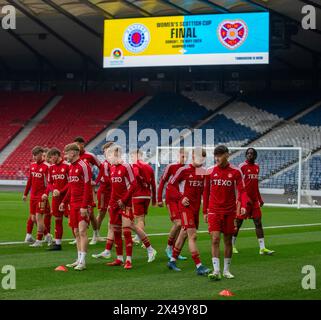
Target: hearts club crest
<point>232,34</point>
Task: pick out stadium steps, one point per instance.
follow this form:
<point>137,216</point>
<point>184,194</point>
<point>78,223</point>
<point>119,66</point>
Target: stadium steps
<point>293,164</point>
<point>9,148</point>
<point>283,123</point>
<point>122,119</point>
<point>212,114</point>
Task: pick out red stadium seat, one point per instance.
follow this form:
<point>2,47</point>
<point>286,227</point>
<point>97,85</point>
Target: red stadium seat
<point>76,114</point>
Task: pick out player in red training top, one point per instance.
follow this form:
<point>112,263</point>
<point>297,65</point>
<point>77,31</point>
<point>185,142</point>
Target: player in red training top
<point>172,206</point>
<point>47,217</point>
<point>58,185</point>
<point>103,195</point>
<point>92,160</point>
<point>145,191</point>
<point>186,188</point>
<point>251,172</point>
<point>37,183</point>
<point>219,207</point>
<point>79,195</point>
<point>120,209</point>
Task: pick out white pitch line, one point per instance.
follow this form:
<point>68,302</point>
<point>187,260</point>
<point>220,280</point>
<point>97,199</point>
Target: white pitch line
<point>200,231</point>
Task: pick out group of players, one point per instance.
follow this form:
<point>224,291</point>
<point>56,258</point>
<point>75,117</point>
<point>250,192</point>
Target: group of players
<point>125,191</point>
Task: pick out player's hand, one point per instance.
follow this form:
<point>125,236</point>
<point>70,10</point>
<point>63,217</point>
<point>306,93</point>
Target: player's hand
<point>24,198</point>
<point>84,212</point>
<point>243,211</point>
<point>261,204</point>
<point>44,197</point>
<point>185,202</point>
<point>205,218</point>
<point>121,204</point>
<point>161,204</point>
<point>62,207</point>
<point>56,193</point>
<point>93,183</point>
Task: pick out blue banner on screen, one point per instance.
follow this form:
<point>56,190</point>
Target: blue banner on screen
<point>216,39</point>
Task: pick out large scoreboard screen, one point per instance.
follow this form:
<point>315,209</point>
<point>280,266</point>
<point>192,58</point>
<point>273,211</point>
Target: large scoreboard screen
<point>215,39</point>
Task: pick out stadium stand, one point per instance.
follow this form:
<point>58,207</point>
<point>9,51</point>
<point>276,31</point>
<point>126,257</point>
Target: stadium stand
<point>210,100</point>
<point>17,108</point>
<point>290,177</point>
<point>164,111</point>
<point>284,105</point>
<point>76,114</point>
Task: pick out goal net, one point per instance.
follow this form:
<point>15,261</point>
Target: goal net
<point>284,172</point>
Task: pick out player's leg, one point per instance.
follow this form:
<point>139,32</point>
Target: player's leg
<point>175,217</point>
<point>177,248</point>
<point>228,230</point>
<point>128,221</point>
<point>103,201</point>
<point>173,236</point>
<point>127,232</point>
<point>101,217</point>
<point>58,216</point>
<point>83,244</point>
<point>47,221</point>
<point>192,245</point>
<point>75,231</point>
<point>118,241</point>
<point>260,235</point>
<point>40,230</point>
<point>31,221</point>
<point>106,254</point>
<point>238,225</point>
<point>215,228</point>
<point>215,248</point>
<point>228,249</point>
<point>116,229</point>
<point>139,210</point>
<point>94,224</point>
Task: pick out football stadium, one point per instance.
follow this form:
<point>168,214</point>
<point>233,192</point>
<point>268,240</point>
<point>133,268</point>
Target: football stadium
<point>160,150</point>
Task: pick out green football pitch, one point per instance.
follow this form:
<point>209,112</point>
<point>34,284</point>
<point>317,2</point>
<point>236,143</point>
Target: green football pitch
<point>294,234</point>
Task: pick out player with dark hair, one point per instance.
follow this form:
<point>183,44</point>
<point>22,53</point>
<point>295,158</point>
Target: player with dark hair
<point>58,185</point>
<point>219,207</point>
<point>92,160</point>
<point>251,171</point>
<point>37,183</point>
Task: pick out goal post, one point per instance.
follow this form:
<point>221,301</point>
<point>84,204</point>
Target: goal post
<point>281,171</point>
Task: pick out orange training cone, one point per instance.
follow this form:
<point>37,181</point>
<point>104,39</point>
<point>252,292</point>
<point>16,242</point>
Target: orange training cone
<point>61,268</point>
<point>226,293</point>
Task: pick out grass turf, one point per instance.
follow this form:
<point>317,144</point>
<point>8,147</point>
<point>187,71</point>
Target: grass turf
<point>257,277</point>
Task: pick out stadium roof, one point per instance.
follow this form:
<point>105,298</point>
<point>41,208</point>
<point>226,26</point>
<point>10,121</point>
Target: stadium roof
<point>65,33</point>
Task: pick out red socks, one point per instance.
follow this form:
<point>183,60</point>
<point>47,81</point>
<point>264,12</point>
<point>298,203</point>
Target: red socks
<point>47,222</point>
<point>39,235</point>
<point>109,244</point>
<point>196,258</point>
<point>176,253</point>
<point>118,242</point>
<point>171,241</point>
<point>128,241</point>
<point>146,242</point>
<point>58,229</point>
<point>30,225</point>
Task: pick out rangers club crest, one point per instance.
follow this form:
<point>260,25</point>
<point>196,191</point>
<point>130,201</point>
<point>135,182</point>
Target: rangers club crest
<point>136,38</point>
<point>232,34</point>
